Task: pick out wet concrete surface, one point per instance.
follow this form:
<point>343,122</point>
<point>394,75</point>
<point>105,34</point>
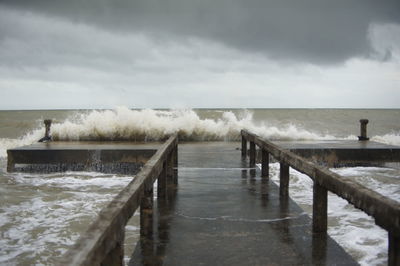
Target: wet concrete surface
<point>58,156</point>
<point>91,145</point>
<point>334,144</point>
<point>338,153</point>
<point>223,213</point>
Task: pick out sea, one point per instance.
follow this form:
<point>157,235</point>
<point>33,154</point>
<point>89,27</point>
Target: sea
<point>41,215</point>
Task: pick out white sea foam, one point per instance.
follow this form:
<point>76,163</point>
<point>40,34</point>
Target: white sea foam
<point>7,143</point>
<point>123,123</point>
<point>351,228</point>
<point>42,211</point>
<point>72,180</point>
<point>393,139</point>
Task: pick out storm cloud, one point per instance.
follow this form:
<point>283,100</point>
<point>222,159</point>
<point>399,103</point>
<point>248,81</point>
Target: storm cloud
<point>320,32</point>
<point>175,53</point>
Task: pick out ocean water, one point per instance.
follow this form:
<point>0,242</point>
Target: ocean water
<point>41,215</point>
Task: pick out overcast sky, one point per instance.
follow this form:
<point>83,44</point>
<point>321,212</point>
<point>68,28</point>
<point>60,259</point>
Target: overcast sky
<point>199,53</point>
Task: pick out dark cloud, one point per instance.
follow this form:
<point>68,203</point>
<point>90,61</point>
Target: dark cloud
<point>317,31</point>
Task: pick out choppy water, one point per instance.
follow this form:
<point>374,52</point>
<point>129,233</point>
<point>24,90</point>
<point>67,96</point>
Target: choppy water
<point>41,215</point>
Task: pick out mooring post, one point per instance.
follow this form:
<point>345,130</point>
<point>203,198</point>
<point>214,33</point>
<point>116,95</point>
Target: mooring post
<point>264,163</point>
<point>283,179</point>
<point>394,249</point>
<point>47,137</point>
<point>320,205</point>
<point>363,130</point>
<point>146,211</point>
<point>47,124</point>
<point>252,154</point>
<point>244,147</point>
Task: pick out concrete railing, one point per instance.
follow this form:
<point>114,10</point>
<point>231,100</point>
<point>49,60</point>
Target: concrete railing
<point>102,243</point>
<point>385,211</point>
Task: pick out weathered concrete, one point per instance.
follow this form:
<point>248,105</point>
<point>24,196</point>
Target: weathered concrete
<point>211,220</point>
<point>264,164</point>
<point>223,213</point>
<point>320,208</point>
<point>343,152</point>
<point>92,156</point>
<point>385,211</point>
<point>363,130</point>
<point>101,244</point>
<point>284,179</point>
<point>47,137</point>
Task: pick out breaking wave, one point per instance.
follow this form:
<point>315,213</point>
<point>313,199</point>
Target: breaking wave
<point>393,139</point>
<point>123,123</point>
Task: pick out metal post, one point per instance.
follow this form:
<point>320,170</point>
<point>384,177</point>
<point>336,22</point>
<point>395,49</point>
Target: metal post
<point>284,179</point>
<point>363,130</point>
<point>320,204</point>
<point>264,163</point>
<point>244,147</point>
<point>252,154</point>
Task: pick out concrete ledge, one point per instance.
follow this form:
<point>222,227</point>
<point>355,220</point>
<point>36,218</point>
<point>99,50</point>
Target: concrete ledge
<point>76,156</point>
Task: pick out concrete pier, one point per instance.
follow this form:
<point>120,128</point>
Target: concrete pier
<point>58,156</point>
<point>336,153</point>
<point>224,213</point>
<point>384,210</point>
<point>224,210</point>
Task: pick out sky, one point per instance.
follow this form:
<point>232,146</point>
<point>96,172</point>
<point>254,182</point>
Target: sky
<point>57,54</point>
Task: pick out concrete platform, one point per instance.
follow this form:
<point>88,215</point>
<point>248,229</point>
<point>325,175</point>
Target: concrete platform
<point>90,145</point>
<point>223,213</point>
<point>80,156</point>
<point>336,153</point>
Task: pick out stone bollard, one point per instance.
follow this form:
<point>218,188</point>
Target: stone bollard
<point>47,137</point>
<point>363,130</point>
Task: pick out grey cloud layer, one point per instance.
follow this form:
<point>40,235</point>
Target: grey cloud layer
<point>315,31</point>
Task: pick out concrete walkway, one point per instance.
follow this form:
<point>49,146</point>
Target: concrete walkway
<point>223,213</point>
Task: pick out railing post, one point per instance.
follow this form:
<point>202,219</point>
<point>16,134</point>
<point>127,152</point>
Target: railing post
<point>264,163</point>
<point>244,147</point>
<point>252,154</point>
<point>116,255</point>
<point>162,183</point>
<point>175,164</point>
<point>170,167</point>
<point>394,249</point>
<point>146,211</point>
<point>283,179</point>
<point>320,204</point>
<point>10,162</point>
